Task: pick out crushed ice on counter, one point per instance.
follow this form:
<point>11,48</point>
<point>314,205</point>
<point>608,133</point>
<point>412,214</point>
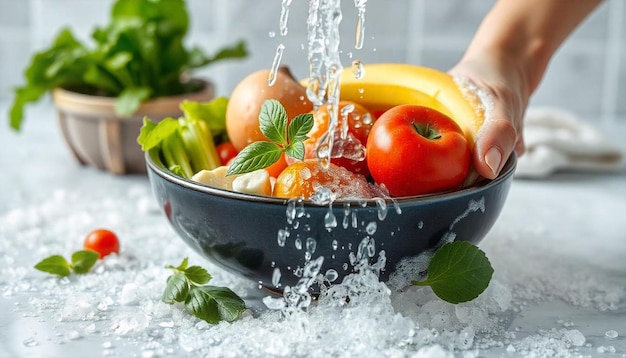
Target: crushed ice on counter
<point>119,302</point>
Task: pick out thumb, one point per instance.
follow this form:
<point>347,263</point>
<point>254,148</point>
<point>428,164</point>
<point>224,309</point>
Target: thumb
<point>495,142</point>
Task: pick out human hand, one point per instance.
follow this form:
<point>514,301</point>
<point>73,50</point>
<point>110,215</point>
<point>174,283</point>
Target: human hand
<point>504,84</point>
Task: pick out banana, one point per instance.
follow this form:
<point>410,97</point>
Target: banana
<point>386,85</point>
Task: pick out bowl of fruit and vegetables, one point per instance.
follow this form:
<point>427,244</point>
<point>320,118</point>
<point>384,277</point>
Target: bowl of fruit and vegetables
<point>281,211</point>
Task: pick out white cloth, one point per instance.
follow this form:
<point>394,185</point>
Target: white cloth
<point>557,140</point>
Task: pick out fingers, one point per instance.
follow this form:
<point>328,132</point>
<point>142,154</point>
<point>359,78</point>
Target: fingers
<point>495,142</point>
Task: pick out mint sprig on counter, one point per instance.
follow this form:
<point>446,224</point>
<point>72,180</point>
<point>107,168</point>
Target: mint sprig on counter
<point>81,262</point>
<point>284,137</point>
<point>211,303</point>
<point>458,272</point>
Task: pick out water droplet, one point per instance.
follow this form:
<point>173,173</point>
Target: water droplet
<point>371,228</point>
<point>382,208</point>
<point>334,245</point>
<point>371,248</point>
<point>282,237</point>
<point>330,221</point>
<point>275,64</point>
<point>346,216</point>
<point>290,211</point>
<point>284,16</point>
<point>360,25</point>
<point>311,244</point>
<point>357,69</point>
<point>276,277</point>
<point>298,243</point>
<point>331,275</point>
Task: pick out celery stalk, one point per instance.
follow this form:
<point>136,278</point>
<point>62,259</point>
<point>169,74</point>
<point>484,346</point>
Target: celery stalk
<point>199,144</point>
<point>173,150</point>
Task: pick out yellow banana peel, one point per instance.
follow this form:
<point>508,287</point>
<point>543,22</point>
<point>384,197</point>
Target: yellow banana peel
<point>386,85</point>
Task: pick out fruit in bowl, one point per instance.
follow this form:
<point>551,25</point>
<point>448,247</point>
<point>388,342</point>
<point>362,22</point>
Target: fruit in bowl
<point>271,239</point>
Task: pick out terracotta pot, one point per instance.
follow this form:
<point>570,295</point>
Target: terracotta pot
<point>98,137</point>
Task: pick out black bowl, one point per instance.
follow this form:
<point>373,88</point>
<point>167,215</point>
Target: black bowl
<point>245,234</point>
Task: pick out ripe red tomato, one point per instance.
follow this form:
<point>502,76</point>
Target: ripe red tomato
<point>226,151</point>
<point>415,150</point>
<point>102,241</point>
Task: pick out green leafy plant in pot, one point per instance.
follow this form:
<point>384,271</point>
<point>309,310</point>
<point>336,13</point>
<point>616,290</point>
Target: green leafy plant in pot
<point>139,66</point>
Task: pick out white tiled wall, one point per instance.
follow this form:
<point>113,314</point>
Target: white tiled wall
<point>587,75</point>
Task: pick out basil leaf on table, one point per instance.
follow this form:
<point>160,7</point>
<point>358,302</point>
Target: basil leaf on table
<point>458,272</point>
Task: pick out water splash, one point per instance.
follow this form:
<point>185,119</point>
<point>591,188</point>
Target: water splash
<point>360,25</point>
<point>278,56</point>
<point>324,67</point>
<point>284,16</point>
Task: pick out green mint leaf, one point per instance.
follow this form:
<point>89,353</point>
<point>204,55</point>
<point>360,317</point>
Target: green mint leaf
<point>130,99</point>
<point>299,127</point>
<point>296,150</point>
<point>458,272</point>
<point>176,289</point>
<point>214,304</point>
<point>152,134</point>
<point>255,156</point>
<point>197,275</point>
<point>83,260</point>
<point>273,121</point>
<point>56,265</point>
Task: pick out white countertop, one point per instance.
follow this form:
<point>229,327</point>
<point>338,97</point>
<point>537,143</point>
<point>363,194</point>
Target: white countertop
<point>558,252</point>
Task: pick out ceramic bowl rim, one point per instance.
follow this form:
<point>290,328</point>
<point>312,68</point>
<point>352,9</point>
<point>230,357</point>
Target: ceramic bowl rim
<point>154,164</point>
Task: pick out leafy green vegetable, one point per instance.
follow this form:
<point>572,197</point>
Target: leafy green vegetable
<point>82,262</point>
<point>210,303</point>
<point>140,54</point>
<point>458,272</point>
<point>285,137</point>
<point>187,143</point>
<point>212,113</point>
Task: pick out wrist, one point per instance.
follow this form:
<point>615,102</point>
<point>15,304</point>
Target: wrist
<point>522,65</point>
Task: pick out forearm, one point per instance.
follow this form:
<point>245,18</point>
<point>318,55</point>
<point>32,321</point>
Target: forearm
<point>527,33</point>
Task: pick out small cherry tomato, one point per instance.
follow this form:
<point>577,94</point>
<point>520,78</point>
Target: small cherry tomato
<point>415,150</point>
<point>276,168</point>
<point>302,178</point>
<point>359,119</point>
<point>226,151</point>
<point>102,241</point>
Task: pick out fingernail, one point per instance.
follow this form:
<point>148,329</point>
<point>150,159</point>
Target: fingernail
<point>493,159</point>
